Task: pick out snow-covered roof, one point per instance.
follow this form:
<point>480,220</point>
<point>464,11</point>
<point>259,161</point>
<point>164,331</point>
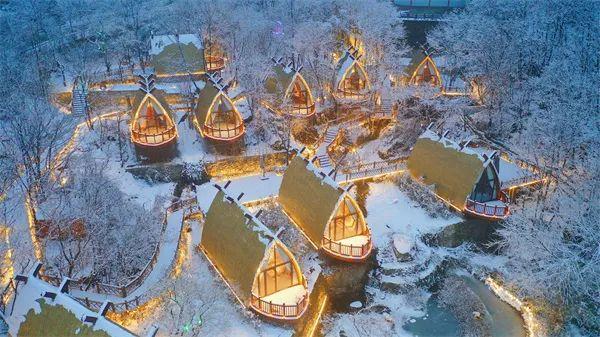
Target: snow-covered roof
<point>31,306</point>
<point>449,143</point>
<point>345,64</point>
<point>159,42</point>
<point>264,233</point>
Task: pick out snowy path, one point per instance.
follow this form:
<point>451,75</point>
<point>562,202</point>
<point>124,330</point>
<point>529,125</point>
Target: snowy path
<point>167,252</point>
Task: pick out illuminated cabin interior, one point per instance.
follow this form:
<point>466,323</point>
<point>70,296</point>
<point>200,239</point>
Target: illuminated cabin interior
<point>152,121</point>
<point>466,179</point>
<point>259,269</point>
<point>426,72</point>
<point>214,56</point>
<point>215,115</point>
<point>330,218</point>
<point>287,83</point>
<point>351,81</point>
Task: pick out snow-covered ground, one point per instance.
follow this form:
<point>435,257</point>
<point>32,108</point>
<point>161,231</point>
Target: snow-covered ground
<point>391,213</point>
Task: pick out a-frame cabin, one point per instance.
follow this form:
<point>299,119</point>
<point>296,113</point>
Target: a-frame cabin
<point>152,124</point>
<point>461,176</point>
<point>215,115</point>
<point>260,270</point>
<point>289,87</point>
<point>326,213</point>
<point>351,80</point>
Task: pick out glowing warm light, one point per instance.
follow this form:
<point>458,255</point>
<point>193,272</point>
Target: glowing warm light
<point>437,72</point>
<point>182,253</point>
<point>132,318</point>
<point>380,175</point>
<point>37,249</point>
<point>534,328</point>
<point>533,182</point>
<point>8,269</point>
<point>169,121</point>
<point>311,331</point>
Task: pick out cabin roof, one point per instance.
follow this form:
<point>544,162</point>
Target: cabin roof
<point>281,80</point>
<point>33,314</point>
<point>206,96</point>
<point>309,198</point>
<point>236,241</point>
<point>342,67</point>
<point>441,162</point>
<point>166,52</point>
<point>159,95</point>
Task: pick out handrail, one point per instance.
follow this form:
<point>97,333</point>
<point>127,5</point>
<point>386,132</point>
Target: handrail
<point>376,169</point>
<point>280,310</point>
<point>213,132</point>
<point>485,209</point>
<point>348,250</point>
<point>150,138</point>
<point>124,290</point>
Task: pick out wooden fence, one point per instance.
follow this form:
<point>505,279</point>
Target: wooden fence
<point>124,290</point>
<point>370,169</point>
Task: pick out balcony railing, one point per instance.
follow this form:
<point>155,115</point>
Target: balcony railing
<point>303,110</point>
<point>355,95</point>
<point>214,63</point>
<point>486,210</point>
<point>223,133</point>
<point>350,251</point>
<point>153,136</point>
<point>281,311</point>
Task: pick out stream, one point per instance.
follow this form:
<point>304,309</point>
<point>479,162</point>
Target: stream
<point>504,320</point>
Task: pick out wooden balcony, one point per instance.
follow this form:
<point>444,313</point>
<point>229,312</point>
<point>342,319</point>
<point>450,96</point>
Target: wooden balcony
<point>281,311</point>
<point>348,252</point>
<point>153,136</point>
<point>214,63</point>
<point>303,110</point>
<point>491,210</point>
<point>228,133</point>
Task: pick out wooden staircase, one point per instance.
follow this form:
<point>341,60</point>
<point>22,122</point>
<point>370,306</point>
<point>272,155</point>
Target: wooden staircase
<point>79,103</point>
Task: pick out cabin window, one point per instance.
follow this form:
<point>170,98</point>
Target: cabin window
<point>223,120</point>
<point>277,274</point>
<point>347,222</point>
<point>301,100</point>
<point>488,186</point>
<point>354,81</point>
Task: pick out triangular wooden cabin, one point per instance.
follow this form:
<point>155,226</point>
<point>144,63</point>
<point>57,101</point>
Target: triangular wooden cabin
<point>288,85</point>
<point>328,216</point>
<point>258,267</point>
<point>152,124</point>
<point>461,176</point>
<point>176,55</point>
<point>351,80</point>
<point>215,115</point>
<point>422,69</point>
